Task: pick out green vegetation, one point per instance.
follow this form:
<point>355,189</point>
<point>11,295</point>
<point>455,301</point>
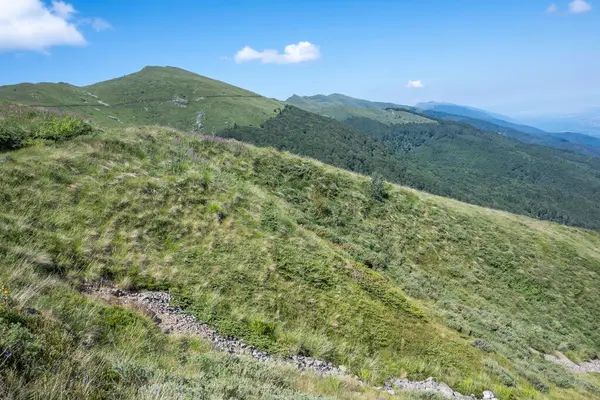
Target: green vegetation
<point>155,95</point>
<point>287,253</point>
<point>448,159</point>
<point>22,126</point>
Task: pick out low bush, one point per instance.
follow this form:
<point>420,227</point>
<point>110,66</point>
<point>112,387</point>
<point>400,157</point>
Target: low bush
<point>24,126</point>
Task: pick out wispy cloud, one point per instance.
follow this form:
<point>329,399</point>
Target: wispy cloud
<point>63,10</point>
<point>414,84</point>
<point>98,24</point>
<point>292,54</point>
<point>579,7</point>
<point>552,8</point>
<point>33,25</point>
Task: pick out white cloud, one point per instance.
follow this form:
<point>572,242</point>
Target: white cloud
<point>579,6</point>
<point>414,84</point>
<point>292,54</point>
<point>63,10</point>
<point>97,23</point>
<point>552,8</point>
<point>34,25</point>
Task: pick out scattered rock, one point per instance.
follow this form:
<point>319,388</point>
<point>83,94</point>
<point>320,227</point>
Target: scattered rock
<point>488,395</point>
<point>431,386</point>
<point>180,101</point>
<point>581,368</point>
<point>199,118</point>
<point>103,103</point>
<point>173,320</point>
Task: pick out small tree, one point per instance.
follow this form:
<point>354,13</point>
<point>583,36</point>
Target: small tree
<point>378,191</point>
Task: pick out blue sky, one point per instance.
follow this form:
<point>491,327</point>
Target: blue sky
<point>511,56</point>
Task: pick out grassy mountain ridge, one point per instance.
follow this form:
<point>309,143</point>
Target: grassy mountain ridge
<point>448,159</point>
<point>155,95</point>
<point>291,255</point>
<point>343,107</point>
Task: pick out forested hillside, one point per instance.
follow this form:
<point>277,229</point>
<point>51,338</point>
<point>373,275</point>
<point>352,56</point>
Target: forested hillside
<point>449,159</point>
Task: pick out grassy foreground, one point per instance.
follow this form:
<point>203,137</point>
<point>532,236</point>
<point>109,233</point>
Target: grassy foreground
<point>287,253</point>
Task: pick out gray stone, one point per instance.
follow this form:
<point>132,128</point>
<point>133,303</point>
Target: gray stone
<point>488,395</point>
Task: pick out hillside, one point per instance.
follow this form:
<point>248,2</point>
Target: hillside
<point>444,158</point>
<point>155,95</point>
<point>289,254</point>
<point>448,159</point>
<point>343,107</point>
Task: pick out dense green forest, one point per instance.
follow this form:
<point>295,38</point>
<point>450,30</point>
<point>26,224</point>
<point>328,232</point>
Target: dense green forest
<point>449,159</point>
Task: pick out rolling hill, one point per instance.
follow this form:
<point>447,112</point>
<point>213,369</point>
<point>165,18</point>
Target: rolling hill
<point>293,256</point>
<point>155,95</point>
<point>448,159</point>
<point>442,157</point>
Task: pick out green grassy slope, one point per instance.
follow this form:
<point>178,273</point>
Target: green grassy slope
<point>155,95</point>
<point>342,107</point>
<point>448,159</point>
<point>289,254</point>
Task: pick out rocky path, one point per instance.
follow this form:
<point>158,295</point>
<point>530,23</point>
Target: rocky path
<point>581,368</point>
<point>173,320</point>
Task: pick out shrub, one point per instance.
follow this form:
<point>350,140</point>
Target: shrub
<point>24,126</point>
<point>483,345</point>
<point>492,367</point>
<point>378,190</point>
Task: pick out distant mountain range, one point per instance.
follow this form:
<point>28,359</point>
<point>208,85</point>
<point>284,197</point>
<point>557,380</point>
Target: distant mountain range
<point>587,122</point>
<point>342,107</point>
